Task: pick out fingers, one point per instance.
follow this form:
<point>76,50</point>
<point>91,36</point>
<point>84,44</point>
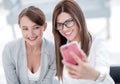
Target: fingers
<point>76,58</point>
<point>74,75</point>
<point>68,65</point>
<point>83,55</point>
<point>72,70</point>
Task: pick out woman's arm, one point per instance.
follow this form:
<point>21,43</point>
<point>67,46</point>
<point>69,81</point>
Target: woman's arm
<point>84,70</point>
<point>51,71</point>
<point>9,66</point>
<point>50,75</point>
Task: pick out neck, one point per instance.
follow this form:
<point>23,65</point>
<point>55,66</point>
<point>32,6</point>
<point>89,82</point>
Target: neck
<point>34,47</point>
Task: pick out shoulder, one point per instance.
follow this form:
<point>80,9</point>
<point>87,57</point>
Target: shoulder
<point>14,43</point>
<point>98,42</point>
<point>13,46</point>
<point>99,49</point>
<point>99,54</point>
<point>49,48</point>
<point>11,50</point>
<point>49,45</point>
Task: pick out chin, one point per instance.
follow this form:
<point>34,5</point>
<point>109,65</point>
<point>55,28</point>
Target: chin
<point>32,43</point>
<point>70,39</point>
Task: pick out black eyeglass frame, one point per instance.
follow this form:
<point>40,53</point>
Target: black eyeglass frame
<point>68,24</point>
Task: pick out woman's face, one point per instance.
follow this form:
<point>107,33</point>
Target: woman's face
<point>32,33</point>
<point>68,27</point>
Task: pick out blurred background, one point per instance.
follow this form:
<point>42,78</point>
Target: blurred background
<point>102,17</point>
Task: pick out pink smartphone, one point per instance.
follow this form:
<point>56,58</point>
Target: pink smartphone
<point>67,48</point>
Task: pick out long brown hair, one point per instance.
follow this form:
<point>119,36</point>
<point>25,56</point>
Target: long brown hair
<point>34,14</point>
<point>71,7</point>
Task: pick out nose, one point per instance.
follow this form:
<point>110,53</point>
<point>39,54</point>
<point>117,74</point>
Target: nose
<point>31,33</point>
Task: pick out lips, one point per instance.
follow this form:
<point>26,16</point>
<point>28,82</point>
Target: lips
<point>68,33</point>
<point>32,38</point>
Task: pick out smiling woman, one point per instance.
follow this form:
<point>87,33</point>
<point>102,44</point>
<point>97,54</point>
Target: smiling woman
<point>69,25</point>
<point>30,60</point>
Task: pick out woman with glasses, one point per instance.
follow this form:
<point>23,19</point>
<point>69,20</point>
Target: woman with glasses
<point>68,26</point>
<point>31,59</point>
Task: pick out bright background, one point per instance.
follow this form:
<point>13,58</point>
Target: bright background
<point>96,26</point>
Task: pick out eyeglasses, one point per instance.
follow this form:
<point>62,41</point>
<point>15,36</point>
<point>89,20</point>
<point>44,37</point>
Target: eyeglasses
<point>68,24</point>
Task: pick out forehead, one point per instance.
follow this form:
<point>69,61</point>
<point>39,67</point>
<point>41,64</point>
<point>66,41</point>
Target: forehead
<point>63,17</point>
<point>25,21</point>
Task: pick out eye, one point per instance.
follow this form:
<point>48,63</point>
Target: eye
<point>68,21</point>
<point>36,27</point>
<point>59,24</point>
<point>24,28</point>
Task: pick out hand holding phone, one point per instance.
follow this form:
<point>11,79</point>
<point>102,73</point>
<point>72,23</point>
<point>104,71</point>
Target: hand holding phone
<point>67,48</point>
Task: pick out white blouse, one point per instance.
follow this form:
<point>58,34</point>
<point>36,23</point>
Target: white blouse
<point>98,58</point>
<point>34,76</point>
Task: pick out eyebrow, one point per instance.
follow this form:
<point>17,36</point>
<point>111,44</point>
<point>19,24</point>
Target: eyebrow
<point>36,25</point>
<point>65,21</point>
<point>32,26</point>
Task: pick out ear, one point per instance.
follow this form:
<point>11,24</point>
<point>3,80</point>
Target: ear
<point>45,26</point>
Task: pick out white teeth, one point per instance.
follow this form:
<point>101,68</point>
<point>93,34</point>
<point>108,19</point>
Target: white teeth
<point>32,39</point>
<point>67,33</point>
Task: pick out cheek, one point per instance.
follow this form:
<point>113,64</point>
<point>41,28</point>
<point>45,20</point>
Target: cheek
<point>24,34</point>
<point>61,33</point>
<point>40,33</point>
<point>77,29</point>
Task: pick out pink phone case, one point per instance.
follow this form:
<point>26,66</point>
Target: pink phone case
<point>67,48</point>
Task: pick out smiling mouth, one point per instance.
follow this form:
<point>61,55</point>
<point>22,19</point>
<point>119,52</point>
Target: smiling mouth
<point>32,39</point>
<point>68,33</point>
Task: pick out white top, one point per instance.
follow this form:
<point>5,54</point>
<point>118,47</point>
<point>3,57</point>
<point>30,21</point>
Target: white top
<point>98,58</point>
<point>34,76</point>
